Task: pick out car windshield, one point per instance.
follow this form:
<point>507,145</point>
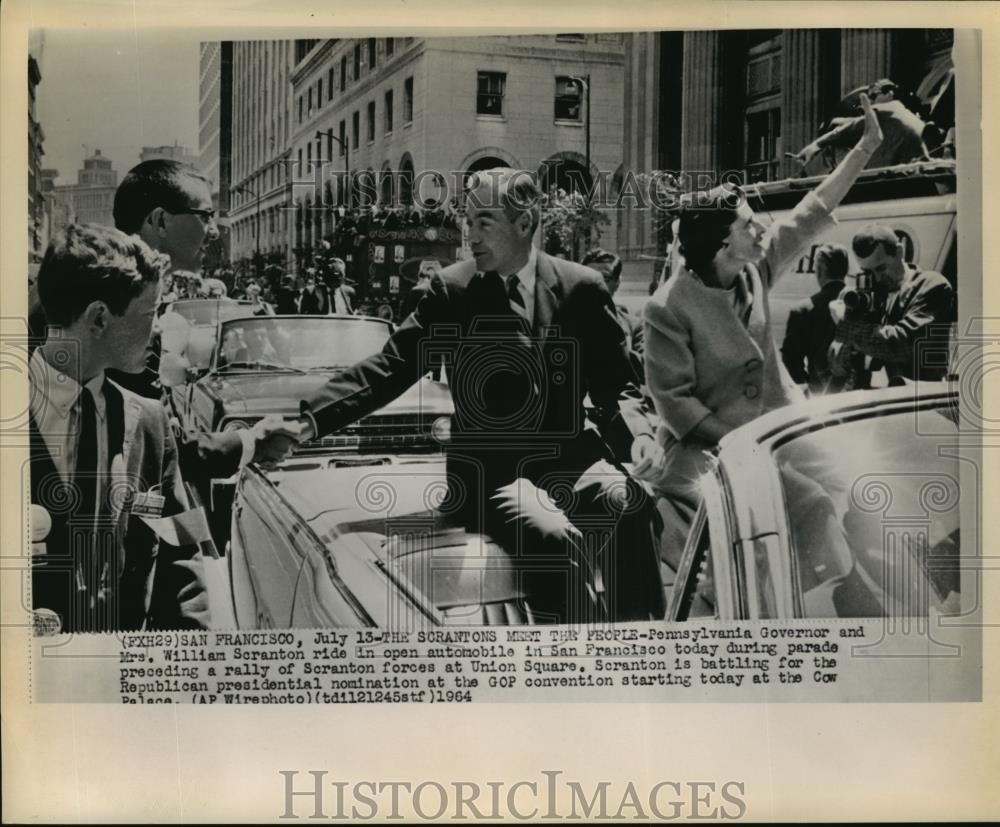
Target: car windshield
<point>298,342</point>
<point>208,312</point>
<point>873,515</point>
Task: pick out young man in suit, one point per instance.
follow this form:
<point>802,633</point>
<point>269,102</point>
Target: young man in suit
<point>526,337</point>
<point>100,454</point>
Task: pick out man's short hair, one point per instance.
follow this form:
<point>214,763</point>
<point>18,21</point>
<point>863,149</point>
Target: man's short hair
<point>868,238</point>
<point>835,257</point>
<point>608,263</point>
<point>338,264</point>
<point>85,263</point>
<point>152,184</point>
<point>515,189</point>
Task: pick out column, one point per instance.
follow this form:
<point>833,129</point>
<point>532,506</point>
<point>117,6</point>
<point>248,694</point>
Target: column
<point>808,85</point>
<point>701,100</point>
<point>865,56</point>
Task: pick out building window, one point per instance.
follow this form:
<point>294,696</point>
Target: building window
<point>356,129</point>
<point>568,105</point>
<point>309,108</point>
<point>762,114</point>
<point>408,100</point>
<point>300,108</point>
<point>300,164</point>
<point>390,47</point>
<point>371,120</point>
<point>371,53</point>
<point>489,97</point>
<point>329,84</point>
<point>388,112</point>
<point>343,74</point>
<point>319,93</point>
<point>343,137</point>
<point>357,62</point>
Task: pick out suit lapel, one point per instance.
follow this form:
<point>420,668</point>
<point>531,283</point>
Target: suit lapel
<point>548,291</point>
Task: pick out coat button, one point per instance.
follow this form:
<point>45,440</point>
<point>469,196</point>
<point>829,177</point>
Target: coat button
<point>751,391</point>
<point>752,364</point>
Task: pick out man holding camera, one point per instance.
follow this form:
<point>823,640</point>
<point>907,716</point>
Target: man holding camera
<point>903,323</point>
<point>526,337</point>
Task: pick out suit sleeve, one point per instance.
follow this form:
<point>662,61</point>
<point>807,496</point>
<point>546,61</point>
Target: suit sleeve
<point>846,133</point>
<point>617,399</point>
<point>896,343</point>
<point>671,376</point>
<point>205,456</point>
<point>374,382</point>
<point>793,348</point>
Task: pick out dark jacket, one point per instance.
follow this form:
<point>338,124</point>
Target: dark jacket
<point>507,424</point>
<point>912,339</point>
<point>140,587</point>
<point>808,335</point>
<point>316,303</point>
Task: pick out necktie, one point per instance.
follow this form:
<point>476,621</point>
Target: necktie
<point>515,298</point>
<point>84,529</point>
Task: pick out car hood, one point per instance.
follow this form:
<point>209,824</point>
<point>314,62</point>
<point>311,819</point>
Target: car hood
<point>258,394</point>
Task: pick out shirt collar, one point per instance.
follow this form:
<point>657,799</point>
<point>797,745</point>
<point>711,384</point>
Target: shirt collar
<point>526,275</point>
<point>60,390</point>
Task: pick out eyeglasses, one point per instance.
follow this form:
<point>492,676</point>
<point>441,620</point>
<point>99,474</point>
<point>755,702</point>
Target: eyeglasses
<point>204,215</point>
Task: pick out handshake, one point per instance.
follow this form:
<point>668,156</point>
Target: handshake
<point>274,438</point>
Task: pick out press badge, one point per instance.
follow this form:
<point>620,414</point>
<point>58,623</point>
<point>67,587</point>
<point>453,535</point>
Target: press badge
<point>147,504</point>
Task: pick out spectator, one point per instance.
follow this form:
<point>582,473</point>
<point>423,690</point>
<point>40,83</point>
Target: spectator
<point>314,300</point>
<point>902,130</point>
<point>341,293</point>
<point>286,301</point>
<point>910,340</point>
<point>610,267</point>
<point>810,329</point>
<point>258,307</point>
<point>104,569</point>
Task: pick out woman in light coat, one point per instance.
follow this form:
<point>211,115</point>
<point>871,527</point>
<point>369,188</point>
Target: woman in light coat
<point>711,363</point>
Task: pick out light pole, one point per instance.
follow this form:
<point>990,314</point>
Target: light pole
<point>256,230</point>
<point>345,145</point>
<point>584,84</point>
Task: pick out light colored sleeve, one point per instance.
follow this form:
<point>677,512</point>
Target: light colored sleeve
<point>788,237</point>
<point>249,446</point>
<point>671,371</point>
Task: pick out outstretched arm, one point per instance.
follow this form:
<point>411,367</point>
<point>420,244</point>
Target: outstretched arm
<point>835,186</point>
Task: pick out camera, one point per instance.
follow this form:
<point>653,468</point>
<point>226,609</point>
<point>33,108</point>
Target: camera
<point>862,299</point>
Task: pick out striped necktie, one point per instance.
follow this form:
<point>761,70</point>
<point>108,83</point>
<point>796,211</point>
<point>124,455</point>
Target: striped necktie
<point>515,298</point>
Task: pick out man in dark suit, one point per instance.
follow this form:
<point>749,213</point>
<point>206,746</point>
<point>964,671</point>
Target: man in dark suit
<point>342,295</point>
<point>169,206</point>
<point>102,456</point>
<point>525,338</point>
<point>911,340</point>
<point>810,330</point>
<point>314,300</point>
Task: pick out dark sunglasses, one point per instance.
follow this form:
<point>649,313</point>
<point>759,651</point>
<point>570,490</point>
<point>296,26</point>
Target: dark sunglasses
<point>205,215</point>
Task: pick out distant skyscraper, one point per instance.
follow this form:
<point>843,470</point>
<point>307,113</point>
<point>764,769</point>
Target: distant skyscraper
<point>176,152</point>
<point>91,199</point>
<point>215,133</point>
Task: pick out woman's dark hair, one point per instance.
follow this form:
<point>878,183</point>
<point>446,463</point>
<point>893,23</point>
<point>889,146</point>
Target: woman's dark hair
<point>705,220</point>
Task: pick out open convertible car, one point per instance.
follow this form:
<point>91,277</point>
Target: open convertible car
<point>846,506</point>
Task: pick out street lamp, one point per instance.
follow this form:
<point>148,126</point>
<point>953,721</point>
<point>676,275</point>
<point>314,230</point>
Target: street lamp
<point>584,84</point>
<point>345,145</point>
<point>256,231</point>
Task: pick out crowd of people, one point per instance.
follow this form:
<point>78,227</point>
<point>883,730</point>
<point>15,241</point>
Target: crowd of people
<point>629,438</point>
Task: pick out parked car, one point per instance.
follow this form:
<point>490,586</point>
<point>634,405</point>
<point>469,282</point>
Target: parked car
<point>846,506</point>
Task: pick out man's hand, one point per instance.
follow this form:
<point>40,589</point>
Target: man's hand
<point>275,438</point>
<point>838,311</point>
<point>872,137</point>
<point>647,458</point>
<point>806,154</point>
<point>193,598</point>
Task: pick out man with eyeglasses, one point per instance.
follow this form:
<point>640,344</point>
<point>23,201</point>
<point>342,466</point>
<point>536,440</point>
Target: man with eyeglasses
<point>910,339</point>
<point>169,206</point>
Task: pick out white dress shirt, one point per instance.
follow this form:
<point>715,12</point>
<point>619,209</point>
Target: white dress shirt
<point>526,284</point>
<point>56,410</point>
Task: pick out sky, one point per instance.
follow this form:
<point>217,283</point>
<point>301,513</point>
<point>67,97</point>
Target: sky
<point>117,91</point>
